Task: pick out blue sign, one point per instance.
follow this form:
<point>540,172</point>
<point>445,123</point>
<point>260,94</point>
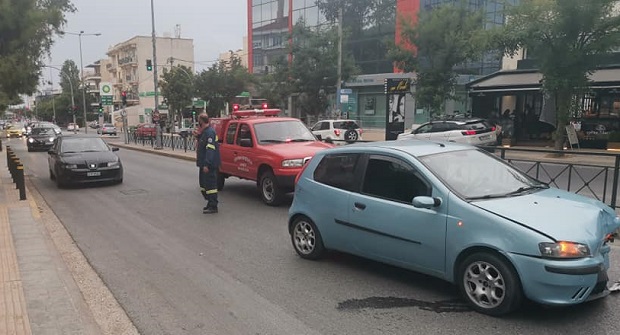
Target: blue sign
<point>346,91</point>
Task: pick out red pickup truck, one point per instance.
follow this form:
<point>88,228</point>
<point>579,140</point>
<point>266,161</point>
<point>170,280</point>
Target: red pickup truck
<point>259,145</point>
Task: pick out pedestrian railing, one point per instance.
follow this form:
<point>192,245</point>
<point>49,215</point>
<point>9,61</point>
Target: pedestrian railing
<point>173,141</point>
<point>16,168</point>
<point>579,174</point>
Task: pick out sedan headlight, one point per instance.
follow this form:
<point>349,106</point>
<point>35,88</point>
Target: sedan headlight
<point>292,163</point>
<point>51,139</point>
<point>114,164</point>
<point>70,166</point>
<point>564,249</point>
<point>31,140</point>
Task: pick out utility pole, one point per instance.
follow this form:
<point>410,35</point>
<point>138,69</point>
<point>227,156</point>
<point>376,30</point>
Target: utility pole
<point>155,78</point>
<point>339,83</point>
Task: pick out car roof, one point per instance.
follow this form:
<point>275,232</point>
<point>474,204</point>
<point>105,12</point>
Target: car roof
<point>459,121</point>
<point>414,147</point>
<point>264,119</point>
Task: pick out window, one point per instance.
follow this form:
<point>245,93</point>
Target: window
<point>439,127</point>
<point>230,133</point>
<point>423,129</point>
<point>338,171</point>
<point>244,133</point>
<point>393,179</point>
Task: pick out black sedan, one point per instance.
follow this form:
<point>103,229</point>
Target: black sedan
<point>80,160</point>
<point>41,138</point>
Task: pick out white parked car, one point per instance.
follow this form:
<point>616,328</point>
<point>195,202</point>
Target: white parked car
<point>339,130</point>
<point>73,126</point>
<point>478,132</point>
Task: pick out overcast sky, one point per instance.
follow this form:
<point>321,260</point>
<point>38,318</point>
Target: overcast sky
<point>215,25</point>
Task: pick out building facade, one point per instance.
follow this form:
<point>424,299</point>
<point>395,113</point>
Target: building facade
<point>127,70</point>
<point>270,24</point>
<point>241,54</point>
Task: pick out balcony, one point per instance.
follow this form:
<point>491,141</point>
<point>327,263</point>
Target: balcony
<point>128,61</point>
<point>110,67</point>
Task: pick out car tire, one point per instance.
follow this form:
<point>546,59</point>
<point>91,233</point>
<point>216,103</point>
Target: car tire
<point>221,180</point>
<point>270,191</point>
<point>351,136</point>
<point>306,238</point>
<point>496,278</point>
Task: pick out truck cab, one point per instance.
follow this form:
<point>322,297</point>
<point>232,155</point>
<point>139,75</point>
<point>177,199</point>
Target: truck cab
<point>260,146</point>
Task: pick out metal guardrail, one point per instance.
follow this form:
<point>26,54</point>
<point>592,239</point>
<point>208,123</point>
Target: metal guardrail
<point>17,172</point>
<point>599,181</point>
<point>173,141</point>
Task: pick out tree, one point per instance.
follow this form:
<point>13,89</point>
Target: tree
<point>221,83</point>
<point>314,66</point>
<point>277,85</point>
<point>444,37</point>
<point>27,28</point>
<point>567,38</point>
<point>177,86</point>
<point>69,79</point>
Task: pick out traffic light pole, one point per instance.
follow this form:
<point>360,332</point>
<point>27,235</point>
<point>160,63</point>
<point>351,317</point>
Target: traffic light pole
<point>155,78</point>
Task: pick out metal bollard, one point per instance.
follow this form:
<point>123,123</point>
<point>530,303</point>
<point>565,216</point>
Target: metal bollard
<point>14,163</point>
<point>21,182</point>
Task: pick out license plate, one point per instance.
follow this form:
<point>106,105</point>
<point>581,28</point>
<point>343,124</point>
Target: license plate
<point>93,174</point>
<point>485,137</point>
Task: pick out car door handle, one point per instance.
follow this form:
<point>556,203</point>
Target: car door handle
<point>360,206</point>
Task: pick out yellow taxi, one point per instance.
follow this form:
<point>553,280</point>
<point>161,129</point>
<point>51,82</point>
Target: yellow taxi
<point>15,130</point>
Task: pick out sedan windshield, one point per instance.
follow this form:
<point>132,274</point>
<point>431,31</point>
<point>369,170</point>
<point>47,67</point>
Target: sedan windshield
<point>74,145</point>
<point>282,132</point>
<point>474,175</point>
<point>43,131</point>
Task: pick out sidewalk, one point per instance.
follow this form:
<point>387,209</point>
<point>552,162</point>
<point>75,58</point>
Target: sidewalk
<point>40,291</point>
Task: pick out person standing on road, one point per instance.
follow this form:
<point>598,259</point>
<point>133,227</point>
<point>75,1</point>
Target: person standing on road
<point>208,162</point>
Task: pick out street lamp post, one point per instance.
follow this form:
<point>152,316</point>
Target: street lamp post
<point>80,34</point>
<point>155,78</point>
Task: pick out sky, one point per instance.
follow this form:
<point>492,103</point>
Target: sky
<point>216,26</point>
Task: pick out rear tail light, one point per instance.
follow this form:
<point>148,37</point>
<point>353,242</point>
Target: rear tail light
<point>468,132</point>
<point>337,132</point>
<point>303,168</point>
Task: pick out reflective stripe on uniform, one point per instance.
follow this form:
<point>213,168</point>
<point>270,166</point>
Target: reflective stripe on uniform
<point>212,191</point>
<point>210,146</point>
<point>202,189</point>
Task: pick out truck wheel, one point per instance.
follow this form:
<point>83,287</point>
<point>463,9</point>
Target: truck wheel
<point>270,191</point>
<point>221,179</point>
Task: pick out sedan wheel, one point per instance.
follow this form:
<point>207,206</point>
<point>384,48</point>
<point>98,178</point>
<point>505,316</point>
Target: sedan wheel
<point>490,284</point>
<point>307,239</point>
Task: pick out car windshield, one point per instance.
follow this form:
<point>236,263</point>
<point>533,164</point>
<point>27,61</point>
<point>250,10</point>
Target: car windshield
<point>345,125</point>
<point>72,145</point>
<point>43,131</point>
<point>475,174</point>
<point>282,131</point>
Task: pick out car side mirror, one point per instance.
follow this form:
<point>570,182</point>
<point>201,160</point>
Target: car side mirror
<point>426,202</point>
<point>115,149</point>
<point>245,142</point>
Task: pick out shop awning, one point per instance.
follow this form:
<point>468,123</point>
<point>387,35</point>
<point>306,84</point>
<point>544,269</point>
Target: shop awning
<point>529,80</point>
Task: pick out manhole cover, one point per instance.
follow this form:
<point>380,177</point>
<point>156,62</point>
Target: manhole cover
<point>133,192</point>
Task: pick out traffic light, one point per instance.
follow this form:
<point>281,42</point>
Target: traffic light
<point>100,107</point>
<point>149,65</point>
<point>124,98</point>
<point>193,111</point>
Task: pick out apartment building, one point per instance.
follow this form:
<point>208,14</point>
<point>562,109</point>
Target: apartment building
<point>242,54</point>
<point>126,67</point>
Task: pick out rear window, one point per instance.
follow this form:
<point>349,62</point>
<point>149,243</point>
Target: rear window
<point>478,125</point>
<point>345,125</point>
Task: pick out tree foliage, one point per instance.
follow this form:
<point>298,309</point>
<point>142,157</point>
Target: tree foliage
<point>27,28</point>
<point>447,36</point>
<point>177,87</point>
<point>567,39</point>
<point>277,85</point>
<point>220,83</point>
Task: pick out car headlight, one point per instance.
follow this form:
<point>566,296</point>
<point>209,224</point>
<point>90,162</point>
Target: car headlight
<point>51,139</point>
<point>114,164</point>
<point>290,163</point>
<point>70,166</point>
<point>31,140</point>
<point>564,249</point>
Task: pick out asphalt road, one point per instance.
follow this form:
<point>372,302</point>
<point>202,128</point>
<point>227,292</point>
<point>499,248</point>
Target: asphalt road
<point>178,271</point>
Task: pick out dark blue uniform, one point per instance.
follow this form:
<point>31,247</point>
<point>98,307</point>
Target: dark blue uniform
<point>208,154</point>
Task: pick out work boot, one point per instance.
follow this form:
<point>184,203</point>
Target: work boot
<point>210,211</point>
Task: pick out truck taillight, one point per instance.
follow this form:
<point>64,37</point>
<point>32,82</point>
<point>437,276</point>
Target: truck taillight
<point>337,132</point>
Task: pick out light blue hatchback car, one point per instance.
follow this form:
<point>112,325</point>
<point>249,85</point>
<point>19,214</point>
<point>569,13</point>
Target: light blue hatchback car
<point>458,213</point>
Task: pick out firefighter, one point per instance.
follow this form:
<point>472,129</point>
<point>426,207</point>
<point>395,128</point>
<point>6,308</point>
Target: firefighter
<point>208,162</point>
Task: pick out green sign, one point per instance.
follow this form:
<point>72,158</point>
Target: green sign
<point>163,107</point>
<point>148,111</point>
<point>149,94</point>
<point>107,100</point>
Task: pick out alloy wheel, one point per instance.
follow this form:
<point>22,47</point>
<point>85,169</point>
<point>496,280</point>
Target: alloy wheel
<point>304,237</point>
<point>484,285</point>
